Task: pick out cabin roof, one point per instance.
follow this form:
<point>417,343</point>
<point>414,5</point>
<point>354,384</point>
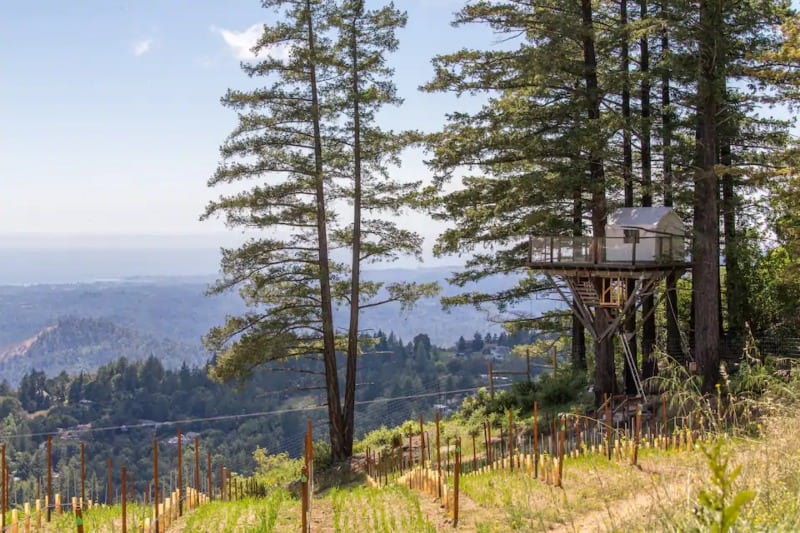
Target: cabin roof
<point>638,217</point>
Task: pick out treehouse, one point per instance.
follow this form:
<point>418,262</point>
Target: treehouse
<point>603,279</point>
<point>637,239</point>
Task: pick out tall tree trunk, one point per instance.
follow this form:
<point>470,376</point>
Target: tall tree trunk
<point>336,424</point>
<point>578,331</point>
<point>604,373</point>
<point>629,326</point>
<point>648,303</point>
<point>355,276</point>
<point>735,291</point>
<point>674,349</point>
<point>705,278</point>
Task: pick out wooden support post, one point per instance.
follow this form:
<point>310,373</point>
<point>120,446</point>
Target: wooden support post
<point>535,439</point>
<point>124,488</point>
<point>180,472</point>
<point>83,474</point>
<point>155,482</point>
<point>49,475</point>
<point>664,414</point>
<point>110,492</point>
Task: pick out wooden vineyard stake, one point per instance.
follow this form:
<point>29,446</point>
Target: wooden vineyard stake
<point>636,435</point>
<point>438,458</point>
<point>562,438</point>
<point>489,447</point>
<point>124,488</point>
<point>83,474</point>
<point>511,439</point>
<point>180,473</point>
<point>79,520</point>
<point>49,497</point>
<point>110,493</point>
<point>456,479</point>
<point>535,439</point>
<point>304,499</point>
<point>155,481</point>
<point>197,469</point>
<point>474,456</point>
<point>4,507</point>
<point>421,442</point>
<point>664,414</point>
<point>410,456</point>
<point>608,425</point>
<point>209,472</point>
<point>222,482</point>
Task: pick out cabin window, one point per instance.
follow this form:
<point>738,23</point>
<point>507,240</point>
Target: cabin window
<point>631,236</point>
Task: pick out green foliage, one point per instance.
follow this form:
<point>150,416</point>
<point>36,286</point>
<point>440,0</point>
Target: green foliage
<point>322,454</point>
<point>383,438</point>
<point>563,388</point>
<point>276,470</point>
<point>720,504</point>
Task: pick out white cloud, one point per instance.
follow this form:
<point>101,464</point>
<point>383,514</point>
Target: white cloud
<point>142,46</point>
<point>241,42</point>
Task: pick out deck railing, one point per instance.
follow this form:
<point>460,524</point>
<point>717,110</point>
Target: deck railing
<point>621,250</point>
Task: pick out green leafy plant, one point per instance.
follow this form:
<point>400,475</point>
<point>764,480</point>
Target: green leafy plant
<point>721,504</point>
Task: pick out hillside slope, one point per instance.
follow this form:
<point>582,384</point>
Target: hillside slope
<point>79,345</point>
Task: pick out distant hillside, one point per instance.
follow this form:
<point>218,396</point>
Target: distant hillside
<point>83,344</point>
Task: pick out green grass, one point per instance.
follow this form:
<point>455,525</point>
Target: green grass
<point>277,512</point>
<point>386,510</point>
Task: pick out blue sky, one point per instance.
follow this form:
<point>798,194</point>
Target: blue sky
<point>110,109</point>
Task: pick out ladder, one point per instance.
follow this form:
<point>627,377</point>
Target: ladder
<point>637,379</point>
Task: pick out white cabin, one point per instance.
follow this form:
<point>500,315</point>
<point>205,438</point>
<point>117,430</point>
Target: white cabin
<point>645,234</point>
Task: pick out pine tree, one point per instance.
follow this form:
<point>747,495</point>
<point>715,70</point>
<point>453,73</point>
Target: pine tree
<point>311,141</point>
